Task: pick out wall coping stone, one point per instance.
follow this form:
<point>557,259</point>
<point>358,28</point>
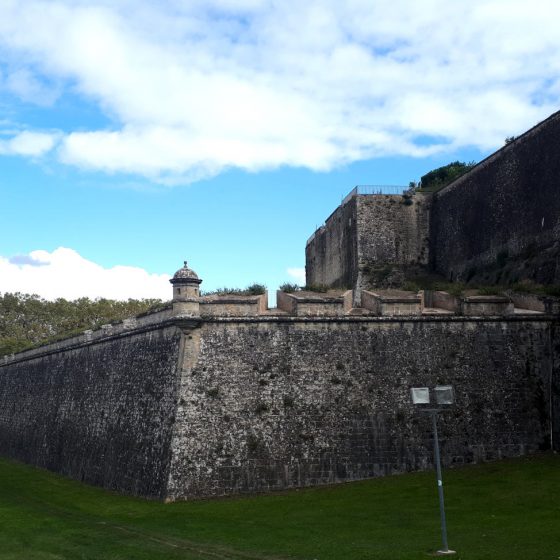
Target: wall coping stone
<point>86,339</point>
<point>310,298</point>
<point>205,300</point>
<point>396,298</point>
<point>486,299</point>
<point>188,322</point>
<point>541,318</point>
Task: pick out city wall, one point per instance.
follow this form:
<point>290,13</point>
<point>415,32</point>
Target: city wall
<point>365,233</point>
<point>500,223</point>
<point>207,407</point>
<point>331,254</point>
<point>100,411</point>
<point>274,404</point>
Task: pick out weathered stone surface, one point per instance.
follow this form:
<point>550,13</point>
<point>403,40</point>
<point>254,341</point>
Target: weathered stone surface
<point>233,305</point>
<point>364,232</point>
<point>393,229</point>
<point>220,406</point>
<point>279,404</point>
<point>310,304</point>
<point>368,238</point>
<point>497,224</point>
<point>501,221</point>
<point>331,254</point>
<point>391,304</point>
<point>101,413</point>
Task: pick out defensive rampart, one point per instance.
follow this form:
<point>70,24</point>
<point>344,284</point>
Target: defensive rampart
<point>368,232</point>
<point>500,223</point>
<point>189,407</point>
<point>100,411</point>
<point>279,403</point>
<point>331,254</point>
<point>497,224</point>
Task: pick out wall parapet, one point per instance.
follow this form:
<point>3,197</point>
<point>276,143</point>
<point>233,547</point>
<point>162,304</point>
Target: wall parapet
<point>486,305</point>
<point>101,335</point>
<point>311,304</point>
<point>233,305</point>
<point>396,303</point>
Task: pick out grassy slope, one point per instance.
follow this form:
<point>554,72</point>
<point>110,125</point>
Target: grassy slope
<point>509,509</point>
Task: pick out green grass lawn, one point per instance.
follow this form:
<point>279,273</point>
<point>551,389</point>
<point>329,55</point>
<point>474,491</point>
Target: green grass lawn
<point>508,509</point>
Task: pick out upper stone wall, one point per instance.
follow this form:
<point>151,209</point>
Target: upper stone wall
<point>331,257</point>
<point>364,232</point>
<point>392,229</point>
<point>500,223</point>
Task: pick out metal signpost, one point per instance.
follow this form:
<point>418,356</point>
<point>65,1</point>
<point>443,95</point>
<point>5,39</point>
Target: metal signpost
<point>444,397</point>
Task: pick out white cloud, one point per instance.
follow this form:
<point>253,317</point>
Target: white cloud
<point>27,143</point>
<point>298,274</point>
<point>65,273</point>
<point>197,87</point>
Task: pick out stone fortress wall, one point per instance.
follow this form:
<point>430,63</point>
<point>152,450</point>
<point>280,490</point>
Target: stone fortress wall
<point>186,404</point>
<point>497,224</point>
<point>331,253</point>
<point>365,232</point>
<point>100,411</point>
<point>501,221</point>
<point>279,403</point>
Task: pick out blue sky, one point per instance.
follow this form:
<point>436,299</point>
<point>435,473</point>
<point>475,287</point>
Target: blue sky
<point>134,135</point>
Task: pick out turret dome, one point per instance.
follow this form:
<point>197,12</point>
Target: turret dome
<point>185,273</point>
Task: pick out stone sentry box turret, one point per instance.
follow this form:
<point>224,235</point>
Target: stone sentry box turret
<point>186,293</point>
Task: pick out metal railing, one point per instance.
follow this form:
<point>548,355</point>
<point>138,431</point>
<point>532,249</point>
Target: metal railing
<point>365,189</point>
<point>374,189</point>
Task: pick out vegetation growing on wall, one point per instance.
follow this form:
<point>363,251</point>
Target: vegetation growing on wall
<point>443,176</point>
<point>252,290</point>
<point>27,320</point>
<point>289,287</point>
<point>320,288</point>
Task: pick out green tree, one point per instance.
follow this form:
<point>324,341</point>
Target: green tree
<point>27,320</point>
<point>442,176</point>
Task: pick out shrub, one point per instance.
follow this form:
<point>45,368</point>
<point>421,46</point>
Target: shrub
<point>552,290</point>
<point>442,176</point>
<point>289,288</point>
<point>410,286</point>
<point>528,287</point>
<point>453,288</point>
<point>255,289</point>
<point>322,288</point>
<point>489,290</point>
<point>251,290</point>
